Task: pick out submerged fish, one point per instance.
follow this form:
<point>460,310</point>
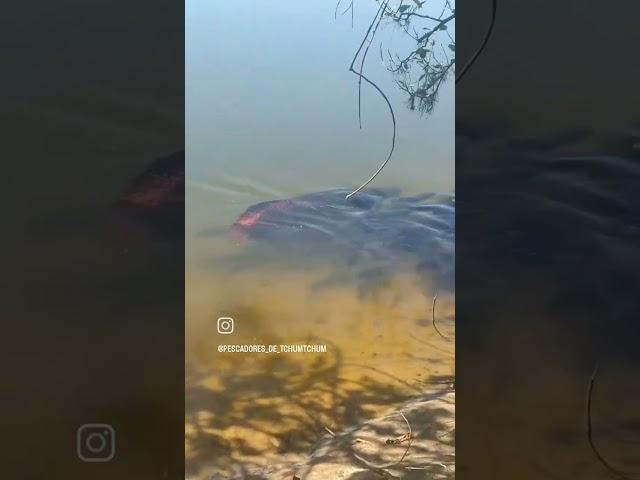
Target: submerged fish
<point>376,231</point>
<point>153,202</point>
<point>378,228</point>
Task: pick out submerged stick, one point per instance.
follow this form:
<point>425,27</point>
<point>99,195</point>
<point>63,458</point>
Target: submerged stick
<point>433,319</point>
<point>612,470</point>
<point>385,466</point>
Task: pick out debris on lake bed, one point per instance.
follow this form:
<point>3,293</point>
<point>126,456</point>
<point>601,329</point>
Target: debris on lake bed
<point>413,440</point>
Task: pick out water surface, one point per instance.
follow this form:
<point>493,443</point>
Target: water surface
<point>272,114</point>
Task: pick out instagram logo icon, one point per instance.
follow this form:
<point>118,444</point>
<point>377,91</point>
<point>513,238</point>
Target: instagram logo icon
<point>96,442</point>
<point>225,325</point>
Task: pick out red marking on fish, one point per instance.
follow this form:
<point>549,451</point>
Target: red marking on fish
<point>249,219</point>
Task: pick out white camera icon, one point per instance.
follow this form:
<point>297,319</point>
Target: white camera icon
<point>225,325</point>
<point>96,442</point>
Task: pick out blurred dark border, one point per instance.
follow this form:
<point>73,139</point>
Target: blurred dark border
<point>548,241</point>
<point>92,294</point>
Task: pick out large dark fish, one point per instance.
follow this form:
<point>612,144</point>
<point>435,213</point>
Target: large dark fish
<point>378,227</point>
<point>153,202</point>
<point>375,231</point>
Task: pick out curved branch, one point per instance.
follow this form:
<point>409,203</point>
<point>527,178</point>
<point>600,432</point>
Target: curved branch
<point>416,14</point>
<point>364,57</point>
<point>612,470</point>
<point>373,26</point>
<point>433,320</point>
<point>393,139</point>
<point>487,36</point>
<point>436,28</point>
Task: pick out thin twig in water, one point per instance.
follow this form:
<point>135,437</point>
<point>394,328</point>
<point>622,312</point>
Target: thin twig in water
<point>374,466</point>
<point>433,319</point>
<point>612,470</point>
<point>351,13</point>
<point>428,467</point>
<point>364,57</point>
<point>350,7</point>
<point>374,23</point>
<point>335,13</point>
<point>485,40</point>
